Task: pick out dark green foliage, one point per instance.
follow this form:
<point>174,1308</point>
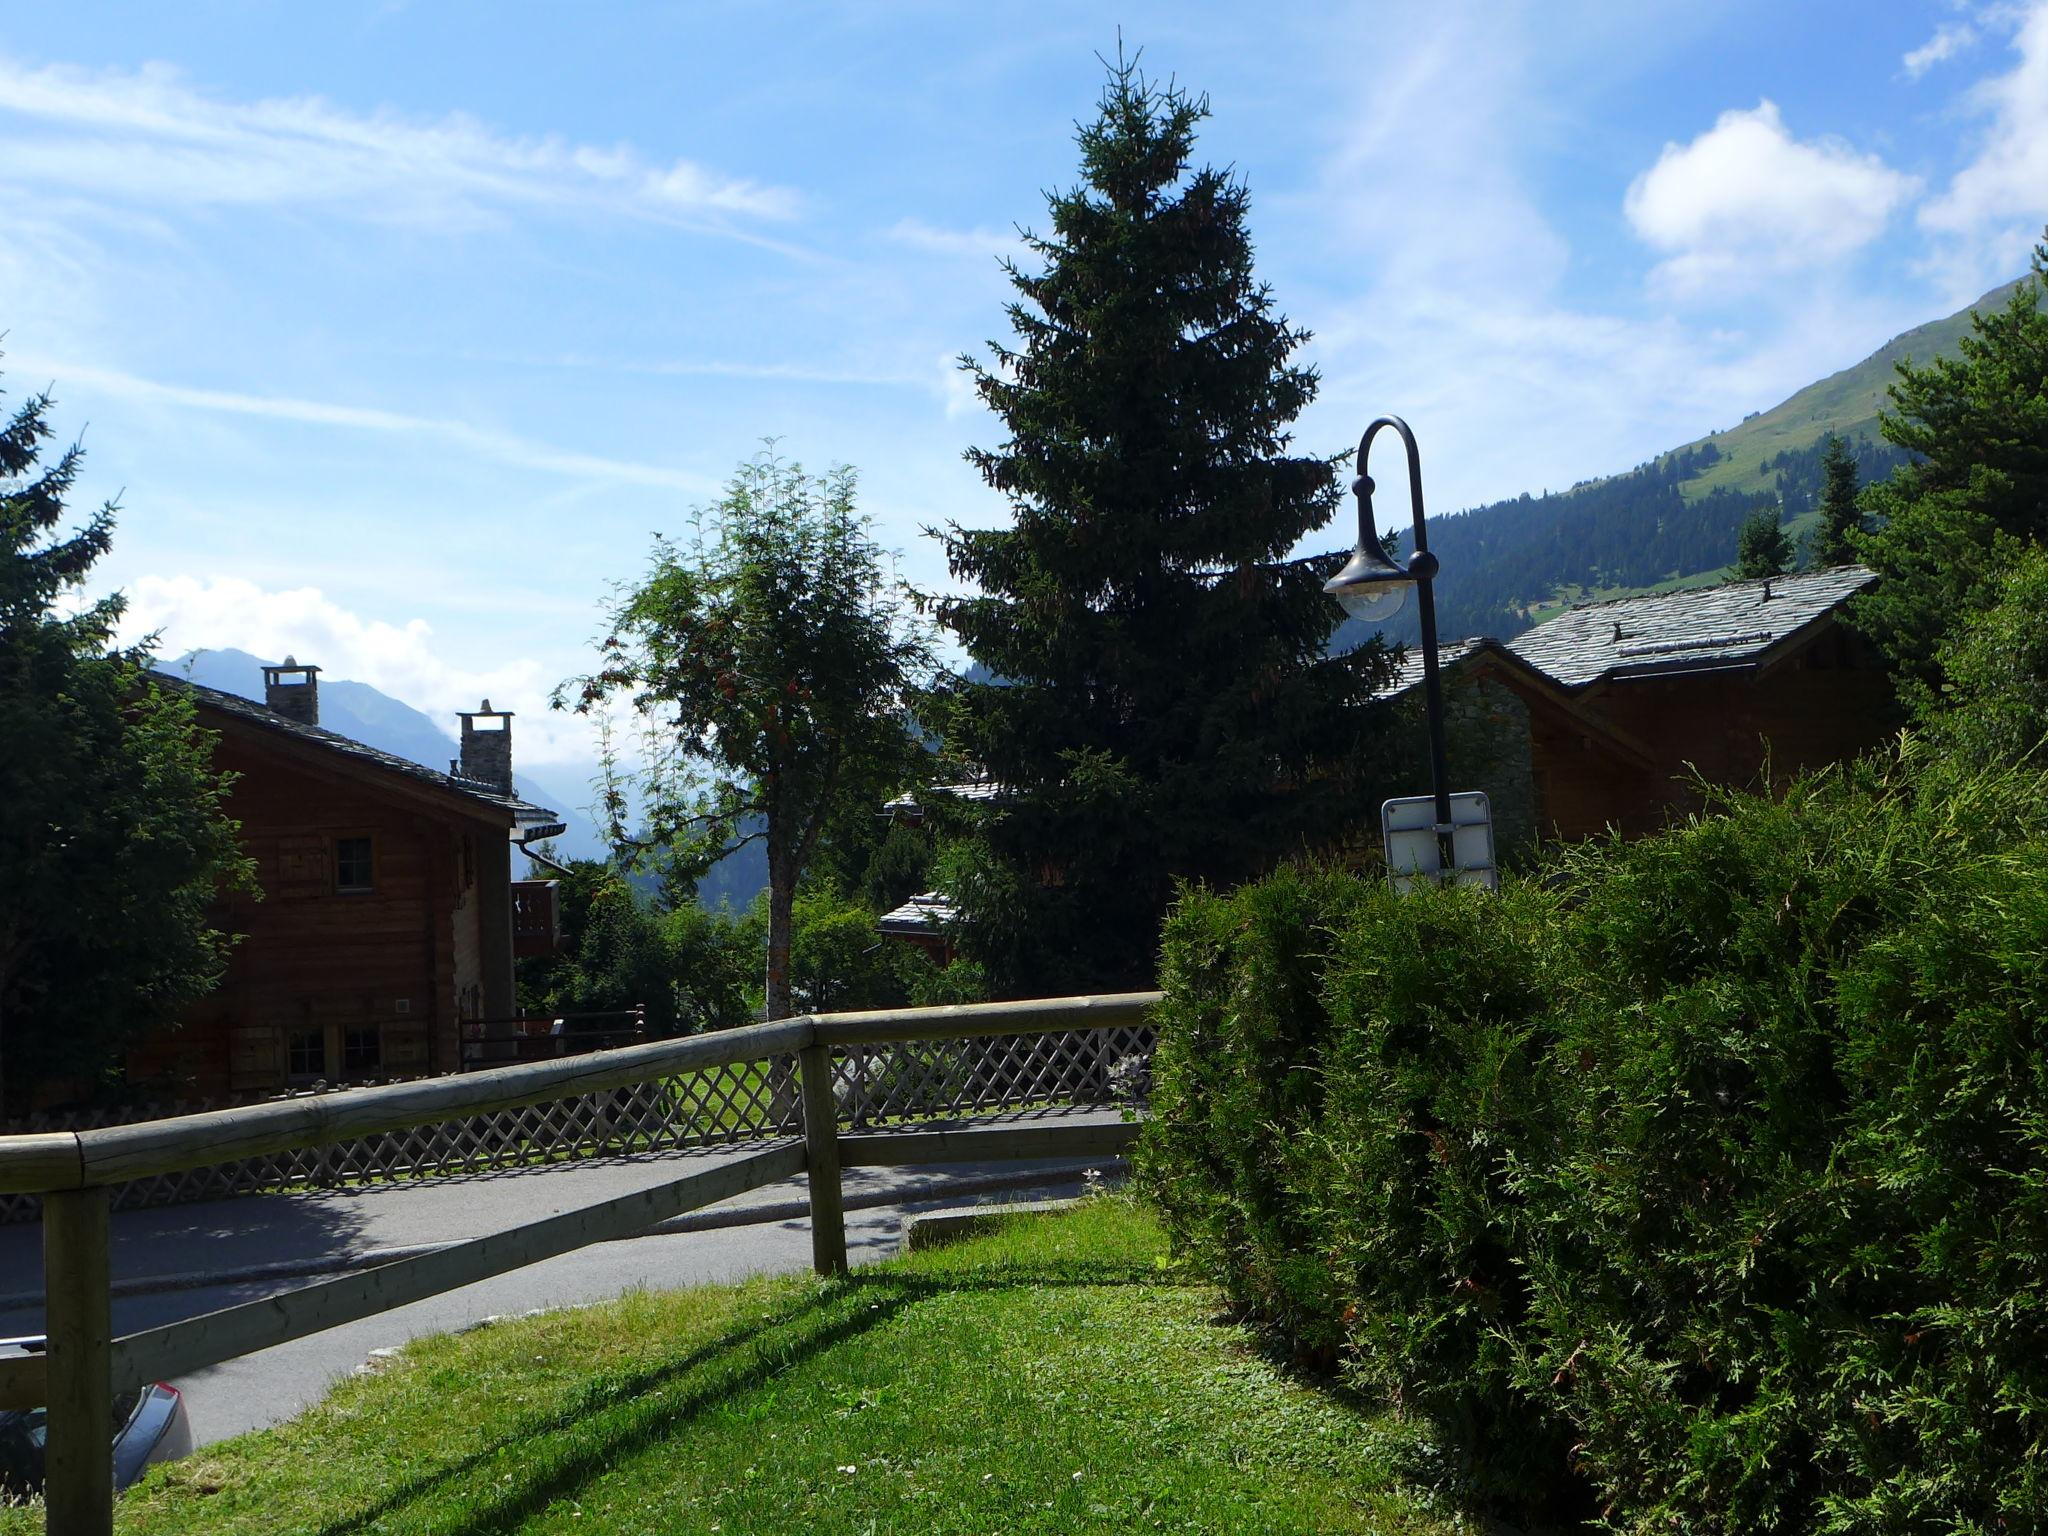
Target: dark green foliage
<point>688,968</point>
<point>1740,1135</point>
<point>1762,546</point>
<point>1338,1076</point>
<point>839,962</point>
<point>771,663</point>
<point>1994,706</point>
<point>1944,524</point>
<point>1160,705</point>
<point>1841,519</point>
<point>114,844</point>
<point>868,856</point>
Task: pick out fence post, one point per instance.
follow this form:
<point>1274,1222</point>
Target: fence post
<point>78,1461</point>
<point>821,1146</point>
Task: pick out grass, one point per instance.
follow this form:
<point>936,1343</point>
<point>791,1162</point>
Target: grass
<point>1055,1376</point>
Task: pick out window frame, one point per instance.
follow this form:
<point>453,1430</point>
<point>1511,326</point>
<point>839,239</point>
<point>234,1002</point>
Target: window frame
<point>317,1033</point>
<point>369,842</point>
<point>350,1067</point>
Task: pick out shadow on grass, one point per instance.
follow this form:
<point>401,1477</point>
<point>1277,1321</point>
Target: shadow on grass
<point>612,1418</point>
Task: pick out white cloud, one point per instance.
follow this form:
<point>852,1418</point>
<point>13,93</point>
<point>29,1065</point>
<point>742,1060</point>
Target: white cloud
<point>220,612</point>
<point>980,243</point>
<point>1448,292</point>
<point>483,442</point>
<point>148,137</point>
<point>1428,179</point>
<point>1745,200</point>
<point>1949,40</point>
<point>1993,209</point>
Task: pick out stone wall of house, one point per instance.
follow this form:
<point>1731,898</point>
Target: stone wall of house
<point>1487,747</point>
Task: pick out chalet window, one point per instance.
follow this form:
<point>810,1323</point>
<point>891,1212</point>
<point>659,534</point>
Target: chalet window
<point>305,1053</point>
<point>362,1050</point>
<point>352,865</point>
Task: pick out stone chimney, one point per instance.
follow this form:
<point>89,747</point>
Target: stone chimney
<point>293,691</point>
<point>486,748</point>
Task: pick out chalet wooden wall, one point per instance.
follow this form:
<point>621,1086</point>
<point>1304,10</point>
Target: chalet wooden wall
<point>399,964</point>
<point>1822,704</point>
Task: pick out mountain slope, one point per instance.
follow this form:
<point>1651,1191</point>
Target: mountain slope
<point>1844,403</point>
<point>1669,522</point>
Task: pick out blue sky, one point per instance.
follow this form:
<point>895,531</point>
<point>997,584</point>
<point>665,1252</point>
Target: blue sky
<point>399,328</point>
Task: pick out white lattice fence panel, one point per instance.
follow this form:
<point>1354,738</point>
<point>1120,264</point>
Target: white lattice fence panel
<point>747,1102</point>
<point>922,1080</point>
<point>754,1100</point>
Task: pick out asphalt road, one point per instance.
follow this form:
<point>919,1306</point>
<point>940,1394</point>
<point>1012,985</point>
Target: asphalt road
<point>180,1261</point>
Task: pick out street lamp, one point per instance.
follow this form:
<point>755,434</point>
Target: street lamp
<point>1371,588</point>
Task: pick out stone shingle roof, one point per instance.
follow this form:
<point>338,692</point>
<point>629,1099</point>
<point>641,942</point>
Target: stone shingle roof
<point>918,917</point>
<point>248,710</point>
<point>972,789</point>
<point>1699,629</point>
<point>1408,672</point>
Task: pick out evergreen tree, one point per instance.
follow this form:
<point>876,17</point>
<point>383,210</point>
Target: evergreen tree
<point>1762,547</point>
<point>1841,520</point>
<point>1160,706</point>
<point>114,842</point>
<point>1946,525</point>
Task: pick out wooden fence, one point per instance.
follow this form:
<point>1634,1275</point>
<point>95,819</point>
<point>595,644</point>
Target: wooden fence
<point>886,1083</point>
<point>74,1172</point>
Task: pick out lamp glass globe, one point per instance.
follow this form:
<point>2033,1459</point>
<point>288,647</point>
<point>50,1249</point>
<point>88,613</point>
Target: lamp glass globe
<point>1373,602</point>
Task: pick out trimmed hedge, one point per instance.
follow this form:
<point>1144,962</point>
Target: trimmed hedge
<point>1708,1176</point>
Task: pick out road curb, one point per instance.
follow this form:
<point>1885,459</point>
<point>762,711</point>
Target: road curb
<point>923,1192</point>
<point>952,1223</point>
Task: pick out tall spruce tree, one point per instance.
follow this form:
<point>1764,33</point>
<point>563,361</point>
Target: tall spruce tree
<point>1841,519</point>
<point>1160,706</point>
<point>1946,525</point>
<point>115,839</point>
<point>1762,546</point>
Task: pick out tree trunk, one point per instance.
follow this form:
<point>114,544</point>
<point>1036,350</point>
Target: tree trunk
<point>781,899</point>
<point>782,1075</point>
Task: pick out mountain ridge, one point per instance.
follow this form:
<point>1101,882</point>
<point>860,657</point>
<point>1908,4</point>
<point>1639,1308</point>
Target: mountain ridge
<point>1671,521</point>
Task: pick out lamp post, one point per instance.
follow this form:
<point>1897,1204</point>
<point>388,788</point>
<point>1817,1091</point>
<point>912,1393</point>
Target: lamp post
<point>1372,588</point>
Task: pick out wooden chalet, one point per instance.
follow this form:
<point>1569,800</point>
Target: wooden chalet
<point>1606,717</point>
<point>1616,706</point>
<point>388,918</point>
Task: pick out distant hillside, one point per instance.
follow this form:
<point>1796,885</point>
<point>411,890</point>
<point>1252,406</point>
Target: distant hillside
<point>1844,403</point>
<point>1670,522</point>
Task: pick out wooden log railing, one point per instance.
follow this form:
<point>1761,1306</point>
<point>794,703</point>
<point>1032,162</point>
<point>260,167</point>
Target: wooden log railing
<point>85,1364</point>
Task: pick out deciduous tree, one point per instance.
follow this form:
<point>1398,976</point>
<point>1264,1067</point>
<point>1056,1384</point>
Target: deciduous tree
<point>771,661</point>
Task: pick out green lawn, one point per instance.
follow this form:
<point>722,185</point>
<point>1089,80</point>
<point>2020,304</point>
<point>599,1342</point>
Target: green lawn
<point>1057,1376</point>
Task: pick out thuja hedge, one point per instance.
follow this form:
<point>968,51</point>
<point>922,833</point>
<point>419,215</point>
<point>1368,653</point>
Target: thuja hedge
<point>1706,1175</point>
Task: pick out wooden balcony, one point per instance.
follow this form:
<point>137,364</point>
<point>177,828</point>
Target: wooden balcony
<point>536,918</point>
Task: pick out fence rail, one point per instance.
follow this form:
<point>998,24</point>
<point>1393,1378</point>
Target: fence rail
<point>808,1072</point>
<point>894,1080</point>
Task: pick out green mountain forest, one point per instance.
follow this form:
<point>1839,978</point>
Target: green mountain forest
<point>1671,522</point>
